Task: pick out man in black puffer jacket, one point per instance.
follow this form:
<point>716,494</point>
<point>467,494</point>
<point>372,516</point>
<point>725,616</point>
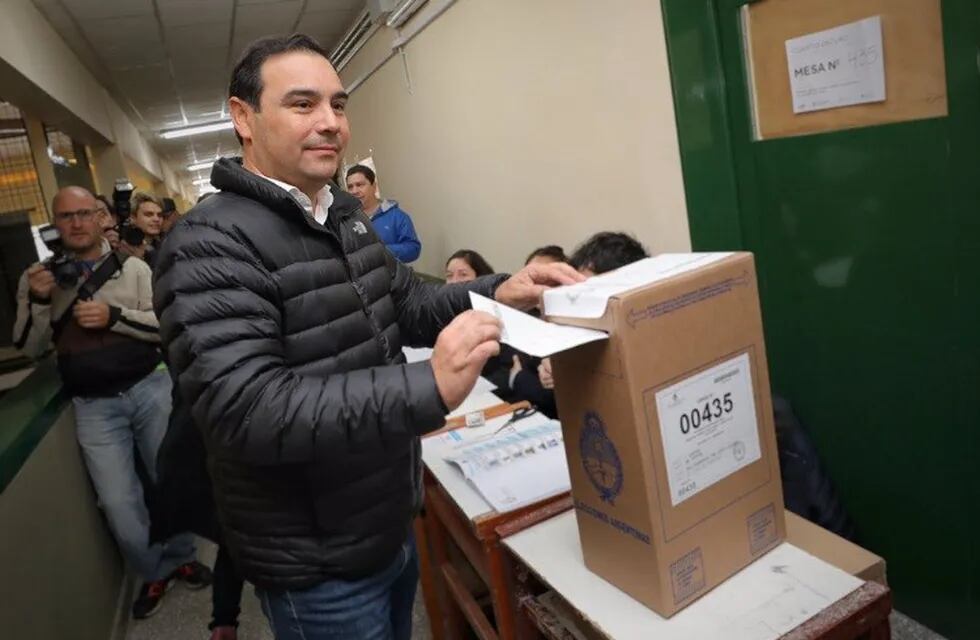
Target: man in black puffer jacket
<point>283,316</point>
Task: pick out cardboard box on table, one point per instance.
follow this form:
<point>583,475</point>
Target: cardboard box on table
<point>668,425</point>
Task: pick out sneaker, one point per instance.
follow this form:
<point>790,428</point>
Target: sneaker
<point>224,633</point>
<point>150,597</point>
<point>194,575</point>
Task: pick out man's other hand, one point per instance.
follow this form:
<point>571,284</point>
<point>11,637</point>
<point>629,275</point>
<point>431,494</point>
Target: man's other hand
<point>460,352</point>
<point>112,237</point>
<point>524,289</point>
<point>41,281</point>
<point>91,314</point>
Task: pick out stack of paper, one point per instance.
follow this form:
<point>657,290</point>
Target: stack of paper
<point>517,467</point>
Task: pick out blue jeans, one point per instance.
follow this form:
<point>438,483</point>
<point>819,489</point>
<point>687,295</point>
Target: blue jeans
<point>108,430</point>
<point>378,607</point>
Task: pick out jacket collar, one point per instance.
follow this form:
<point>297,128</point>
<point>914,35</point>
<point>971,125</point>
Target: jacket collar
<point>229,175</point>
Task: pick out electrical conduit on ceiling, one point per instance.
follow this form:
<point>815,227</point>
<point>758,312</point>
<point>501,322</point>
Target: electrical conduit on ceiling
<point>428,14</point>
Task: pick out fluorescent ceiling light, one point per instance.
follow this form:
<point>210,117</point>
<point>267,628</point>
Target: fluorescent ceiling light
<point>196,129</point>
<point>202,165</point>
<point>202,181</point>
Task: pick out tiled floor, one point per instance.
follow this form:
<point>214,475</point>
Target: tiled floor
<point>185,614</point>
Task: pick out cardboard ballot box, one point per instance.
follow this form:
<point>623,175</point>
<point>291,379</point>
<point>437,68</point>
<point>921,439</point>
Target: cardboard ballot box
<point>668,425</point>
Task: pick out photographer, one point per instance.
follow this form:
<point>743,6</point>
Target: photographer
<point>95,305</point>
<point>108,221</point>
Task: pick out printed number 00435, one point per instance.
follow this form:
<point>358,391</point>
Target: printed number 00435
<point>712,410</point>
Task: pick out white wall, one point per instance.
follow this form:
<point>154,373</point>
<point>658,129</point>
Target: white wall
<point>527,123</point>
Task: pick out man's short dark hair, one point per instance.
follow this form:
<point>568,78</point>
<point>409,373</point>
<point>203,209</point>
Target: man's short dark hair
<point>607,251</point>
<point>364,171</point>
<point>550,251</point>
<point>477,262</point>
<point>246,77</point>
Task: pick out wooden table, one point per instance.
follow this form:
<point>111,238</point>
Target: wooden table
<point>455,512</point>
<point>786,595</point>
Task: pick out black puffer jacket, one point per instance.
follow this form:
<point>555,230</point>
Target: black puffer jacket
<point>284,339</point>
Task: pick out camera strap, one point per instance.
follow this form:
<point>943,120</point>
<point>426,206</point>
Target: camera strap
<point>86,290</point>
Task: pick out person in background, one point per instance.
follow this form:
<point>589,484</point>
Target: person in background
<point>546,255</point>
<point>170,216</point>
<point>605,251</point>
<point>390,222</point>
<point>466,265</point>
<point>146,214</point>
<point>524,382</point>
<point>108,349</point>
<point>108,220</point>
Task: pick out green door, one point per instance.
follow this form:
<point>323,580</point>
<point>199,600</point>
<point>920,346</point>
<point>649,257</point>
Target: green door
<point>868,248</point>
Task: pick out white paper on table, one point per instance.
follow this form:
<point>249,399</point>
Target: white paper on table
<point>533,336</point>
<point>837,67</point>
<point>589,299</point>
<point>517,467</point>
<point>769,598</point>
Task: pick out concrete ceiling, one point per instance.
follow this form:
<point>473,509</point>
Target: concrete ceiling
<point>167,62</point>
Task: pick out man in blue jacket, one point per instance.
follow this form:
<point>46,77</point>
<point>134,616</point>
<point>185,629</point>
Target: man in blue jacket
<point>390,222</point>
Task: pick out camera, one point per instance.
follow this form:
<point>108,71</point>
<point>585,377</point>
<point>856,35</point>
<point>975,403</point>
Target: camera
<point>59,264</point>
<point>128,232</point>
<point>121,194</point>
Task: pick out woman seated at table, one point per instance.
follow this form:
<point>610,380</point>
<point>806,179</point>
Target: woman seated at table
<point>466,265</point>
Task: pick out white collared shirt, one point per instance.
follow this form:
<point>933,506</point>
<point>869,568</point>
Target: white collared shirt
<point>324,198</point>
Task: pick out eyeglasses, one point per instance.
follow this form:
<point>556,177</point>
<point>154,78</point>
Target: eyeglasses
<point>84,215</point>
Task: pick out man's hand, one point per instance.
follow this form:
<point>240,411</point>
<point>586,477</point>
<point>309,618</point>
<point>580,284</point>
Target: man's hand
<point>524,289</point>
<point>41,281</point>
<point>91,314</point>
<point>460,352</point>
<point>112,237</point>
<point>544,374</point>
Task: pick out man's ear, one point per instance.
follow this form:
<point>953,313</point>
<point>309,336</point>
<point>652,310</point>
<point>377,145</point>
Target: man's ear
<point>242,115</point>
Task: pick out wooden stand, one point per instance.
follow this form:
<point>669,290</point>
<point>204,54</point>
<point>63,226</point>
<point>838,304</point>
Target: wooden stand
<point>448,600</point>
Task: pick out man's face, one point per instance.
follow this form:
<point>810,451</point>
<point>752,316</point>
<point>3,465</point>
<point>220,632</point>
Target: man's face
<point>77,220</point>
<point>170,218</point>
<point>103,215</point>
<point>149,218</point>
<point>300,132</point>
<point>360,188</point>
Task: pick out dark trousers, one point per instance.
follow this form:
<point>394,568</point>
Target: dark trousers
<point>226,592</point>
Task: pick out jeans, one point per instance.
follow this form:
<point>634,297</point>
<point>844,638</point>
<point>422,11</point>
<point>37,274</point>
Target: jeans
<point>378,607</point>
<point>108,431</point>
